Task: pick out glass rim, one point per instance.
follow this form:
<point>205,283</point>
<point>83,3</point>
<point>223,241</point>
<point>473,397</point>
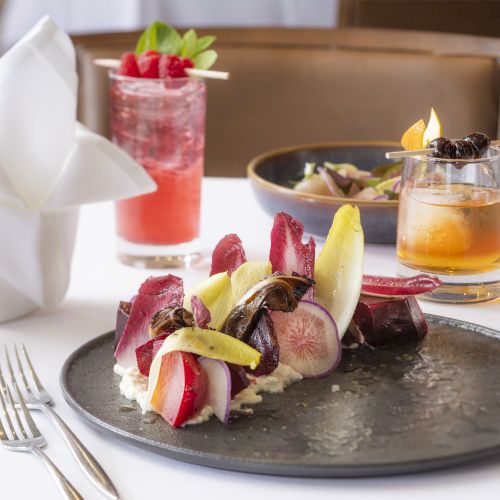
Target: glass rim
<point>483,159</point>
<point>113,73</point>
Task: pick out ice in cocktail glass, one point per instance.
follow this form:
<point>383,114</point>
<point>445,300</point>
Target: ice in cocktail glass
<point>449,225</point>
<point>161,124</point>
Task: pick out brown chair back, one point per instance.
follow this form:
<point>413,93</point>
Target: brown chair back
<point>474,17</point>
<point>297,86</point>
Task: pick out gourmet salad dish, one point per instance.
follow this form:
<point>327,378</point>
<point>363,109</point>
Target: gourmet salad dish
<point>345,180</point>
<point>257,326</point>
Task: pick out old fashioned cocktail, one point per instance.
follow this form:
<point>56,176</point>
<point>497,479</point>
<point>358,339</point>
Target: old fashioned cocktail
<point>449,224</point>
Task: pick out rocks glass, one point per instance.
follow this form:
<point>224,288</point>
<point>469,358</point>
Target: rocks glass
<point>449,225</point>
<point>161,124</point>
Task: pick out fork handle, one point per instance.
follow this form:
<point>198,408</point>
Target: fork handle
<point>67,489</point>
<point>83,456</point>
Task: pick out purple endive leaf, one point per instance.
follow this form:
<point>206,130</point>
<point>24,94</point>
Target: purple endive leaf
<point>201,314</point>
<point>228,255</point>
<point>154,294</point>
<point>288,254</point>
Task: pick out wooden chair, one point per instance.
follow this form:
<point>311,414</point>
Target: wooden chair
<point>291,86</point>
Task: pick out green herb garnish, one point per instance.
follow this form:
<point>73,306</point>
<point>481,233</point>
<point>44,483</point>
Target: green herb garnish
<point>166,40</point>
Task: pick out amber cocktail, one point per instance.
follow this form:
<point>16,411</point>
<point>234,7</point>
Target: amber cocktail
<point>449,225</point>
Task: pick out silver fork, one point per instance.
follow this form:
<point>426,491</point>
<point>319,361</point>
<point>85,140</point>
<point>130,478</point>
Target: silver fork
<point>27,437</point>
<point>37,398</point>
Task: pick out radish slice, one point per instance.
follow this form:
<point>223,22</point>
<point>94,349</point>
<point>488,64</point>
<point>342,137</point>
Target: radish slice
<point>386,286</point>
<point>218,388</point>
<point>308,339</point>
<point>181,388</point>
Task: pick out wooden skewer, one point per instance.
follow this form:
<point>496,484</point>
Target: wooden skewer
<point>405,154</point>
<point>201,73</point>
<point>416,152</point>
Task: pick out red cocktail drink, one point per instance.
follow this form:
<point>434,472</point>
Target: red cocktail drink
<point>161,124</point>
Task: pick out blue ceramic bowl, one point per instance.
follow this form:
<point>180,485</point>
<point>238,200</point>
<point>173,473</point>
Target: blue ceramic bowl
<point>270,175</point>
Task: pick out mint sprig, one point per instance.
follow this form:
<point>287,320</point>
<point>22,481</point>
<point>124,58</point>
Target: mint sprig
<point>167,40</point>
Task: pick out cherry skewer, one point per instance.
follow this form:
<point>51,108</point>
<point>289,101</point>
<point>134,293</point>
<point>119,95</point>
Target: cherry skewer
<point>417,152</point>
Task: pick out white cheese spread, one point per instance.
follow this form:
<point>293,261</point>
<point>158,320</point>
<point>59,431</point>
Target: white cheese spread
<point>134,387</point>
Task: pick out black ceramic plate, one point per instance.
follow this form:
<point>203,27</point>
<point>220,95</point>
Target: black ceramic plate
<point>381,412</point>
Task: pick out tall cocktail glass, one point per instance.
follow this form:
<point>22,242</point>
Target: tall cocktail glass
<point>161,124</point>
<point>449,225</point>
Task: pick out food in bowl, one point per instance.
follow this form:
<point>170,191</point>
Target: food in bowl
<point>345,180</point>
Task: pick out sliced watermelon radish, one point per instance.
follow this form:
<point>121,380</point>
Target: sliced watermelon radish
<point>145,353</point>
<point>288,254</point>
<point>386,286</point>
<point>228,255</point>
<point>308,339</point>
<point>218,387</point>
<point>154,294</point>
<point>181,388</point>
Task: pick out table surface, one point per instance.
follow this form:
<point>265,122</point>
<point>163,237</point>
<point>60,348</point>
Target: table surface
<point>98,282</point>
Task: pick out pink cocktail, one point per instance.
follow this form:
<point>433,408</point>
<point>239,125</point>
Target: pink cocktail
<point>161,124</point>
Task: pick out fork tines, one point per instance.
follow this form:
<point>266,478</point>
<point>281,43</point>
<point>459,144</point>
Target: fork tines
<point>7,402</point>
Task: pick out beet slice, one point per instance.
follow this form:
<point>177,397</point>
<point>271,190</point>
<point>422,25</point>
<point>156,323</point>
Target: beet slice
<point>201,314</point>
<point>239,379</point>
<point>145,353</point>
<point>154,294</point>
<point>288,254</point>
<point>264,339</point>
<point>122,315</point>
<point>389,321</point>
<point>181,388</point>
<point>228,255</point>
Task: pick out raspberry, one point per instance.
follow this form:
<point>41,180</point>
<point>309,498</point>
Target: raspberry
<point>128,65</point>
<point>148,64</point>
<point>173,66</point>
<point>188,63</point>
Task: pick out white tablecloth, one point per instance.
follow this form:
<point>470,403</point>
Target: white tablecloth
<point>99,281</point>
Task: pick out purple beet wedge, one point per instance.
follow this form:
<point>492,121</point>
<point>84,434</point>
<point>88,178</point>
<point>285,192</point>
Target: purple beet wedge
<point>239,379</point>
<point>389,321</point>
<point>288,254</point>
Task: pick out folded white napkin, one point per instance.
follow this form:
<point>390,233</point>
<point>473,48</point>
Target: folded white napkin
<point>49,165</point>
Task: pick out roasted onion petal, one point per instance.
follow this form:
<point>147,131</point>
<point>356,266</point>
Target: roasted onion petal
<point>264,339</point>
<point>277,293</point>
<point>168,320</point>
